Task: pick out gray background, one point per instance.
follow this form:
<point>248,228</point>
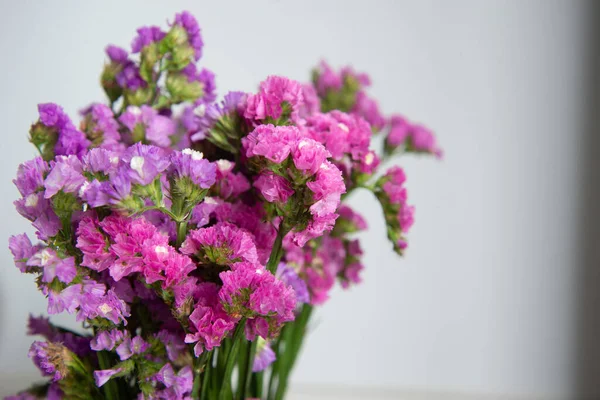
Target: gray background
<point>497,292</point>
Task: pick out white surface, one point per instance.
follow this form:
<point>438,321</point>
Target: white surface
<point>484,301</point>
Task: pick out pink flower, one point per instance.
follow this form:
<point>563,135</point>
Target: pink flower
<point>272,94</point>
<point>250,291</point>
<point>309,155</point>
<point>209,322</point>
<point>221,244</point>
<point>271,142</point>
<point>327,188</point>
<point>274,188</point>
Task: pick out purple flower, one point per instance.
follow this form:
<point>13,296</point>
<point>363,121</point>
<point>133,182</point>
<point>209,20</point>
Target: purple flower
<point>264,356</point>
<point>194,38</point>
<point>66,300</point>
<point>66,174</point>
<point>129,347</point>
<point>145,163</point>
<point>54,266</point>
<point>191,164</point>
<point>70,140</point>
<point>177,386</point>
<point>100,161</point>
<point>30,176</point>
<point>156,128</point>
<point>116,54</point>
<point>290,277</point>
<point>101,127</point>
<point>146,35</point>
<point>206,77</point>
<point>50,358</point>
<point>356,221</point>
<point>104,375</point>
<point>21,248</point>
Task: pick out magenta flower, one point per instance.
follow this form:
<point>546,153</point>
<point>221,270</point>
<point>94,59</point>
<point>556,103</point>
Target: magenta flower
<point>274,188</point>
<point>222,244</point>
<point>273,143</point>
<point>270,99</point>
<point>210,323</point>
<point>250,291</point>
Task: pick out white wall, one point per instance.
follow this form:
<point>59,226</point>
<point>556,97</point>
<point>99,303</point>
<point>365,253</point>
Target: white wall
<point>485,300</point>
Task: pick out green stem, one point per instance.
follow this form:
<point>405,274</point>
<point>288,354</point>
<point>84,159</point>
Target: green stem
<point>181,232</point>
<point>198,364</point>
<point>225,393</point>
<point>275,366</point>
<point>293,345</point>
<point>277,251</point>
<point>245,388</point>
<point>111,391</point>
<point>257,383</point>
<point>206,377</point>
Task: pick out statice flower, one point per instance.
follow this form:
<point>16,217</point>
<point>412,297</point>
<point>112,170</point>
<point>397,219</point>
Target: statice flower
<point>368,108</point>
<point>274,188</point>
<point>177,386</point>
<point>405,135</point>
<point>250,291</point>
<point>30,176</point>
<point>290,277</point>
<point>399,216</point>
<point>221,244</point>
<point>146,35</point>
<point>229,184</point>
<point>70,140</point>
<point>209,321</point>
<point>264,356</point>
<point>51,358</point>
<point>34,205</point>
<point>191,27</point>
<point>66,175</point>
<point>127,73</point>
<point>191,164</point>
<point>22,250</point>
<point>104,375</point>
<point>205,77</point>
<point>278,98</point>
<point>78,344</point>
<point>146,124</point>
<point>101,127</point>
<point>144,163</point>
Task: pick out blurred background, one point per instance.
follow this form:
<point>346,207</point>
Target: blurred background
<point>497,296</point>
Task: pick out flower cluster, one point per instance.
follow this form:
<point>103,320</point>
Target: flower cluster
<point>192,236</point>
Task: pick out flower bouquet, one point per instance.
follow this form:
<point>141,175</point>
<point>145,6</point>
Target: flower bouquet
<point>191,237</point>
